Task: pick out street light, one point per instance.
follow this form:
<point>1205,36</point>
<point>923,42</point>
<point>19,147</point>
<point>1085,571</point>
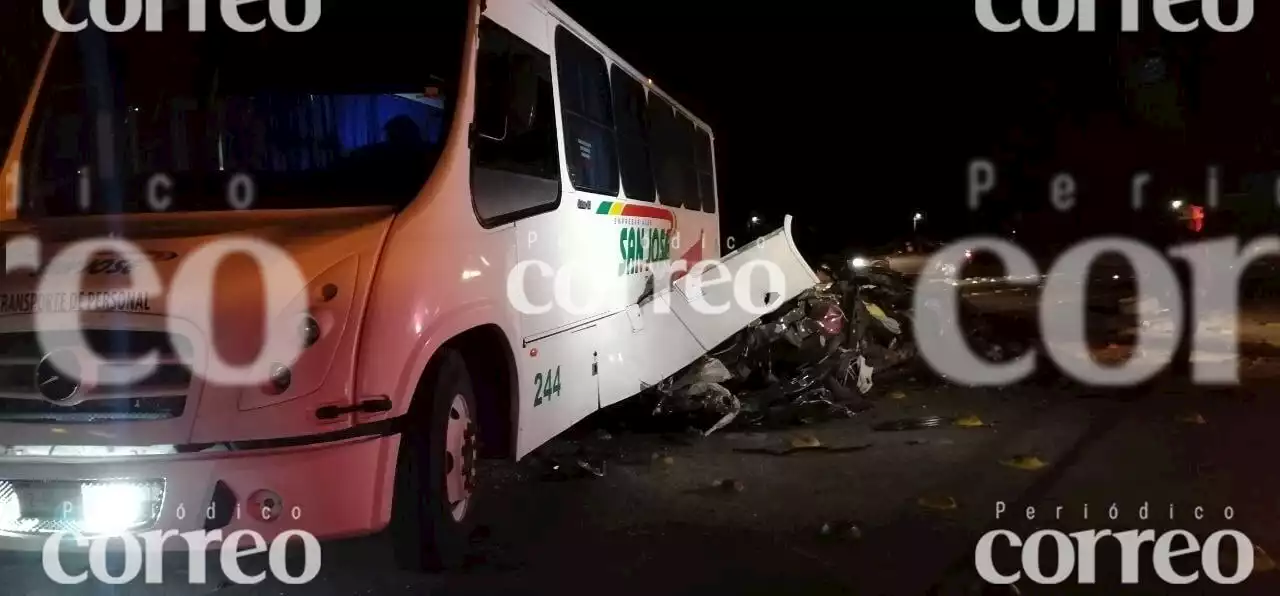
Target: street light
<point>915,220</point>
<point>1175,205</point>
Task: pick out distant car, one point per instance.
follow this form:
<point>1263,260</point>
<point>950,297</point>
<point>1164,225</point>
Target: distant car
<point>906,257</point>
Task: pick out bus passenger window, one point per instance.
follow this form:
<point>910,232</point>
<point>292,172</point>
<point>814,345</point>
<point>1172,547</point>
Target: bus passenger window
<point>705,169</point>
<point>633,136</point>
<point>668,152</point>
<point>588,116</point>
<point>515,168</point>
<point>682,153</point>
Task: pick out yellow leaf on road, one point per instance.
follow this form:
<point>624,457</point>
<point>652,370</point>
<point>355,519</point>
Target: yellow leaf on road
<point>897,395</point>
<point>1192,418</point>
<point>805,442</point>
<point>938,503</point>
<point>1030,463</point>
<point>969,421</point>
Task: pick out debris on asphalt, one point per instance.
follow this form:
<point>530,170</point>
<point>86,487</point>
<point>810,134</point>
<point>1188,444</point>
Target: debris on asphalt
<point>917,423</point>
<point>940,442</point>
<point>938,503</point>
<point>698,388</point>
<point>1192,418</point>
<point>556,470</point>
<point>719,487</point>
<point>1029,463</point>
<point>726,402</point>
<point>970,421</point>
<point>841,530</point>
<point>729,485</point>
<point>788,450</point>
<point>593,468</point>
<point>747,436</point>
<point>896,395</point>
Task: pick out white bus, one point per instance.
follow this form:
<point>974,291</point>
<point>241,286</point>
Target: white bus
<point>479,197</point>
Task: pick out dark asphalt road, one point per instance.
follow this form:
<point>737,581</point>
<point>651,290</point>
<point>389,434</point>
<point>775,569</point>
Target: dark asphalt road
<point>654,525</point>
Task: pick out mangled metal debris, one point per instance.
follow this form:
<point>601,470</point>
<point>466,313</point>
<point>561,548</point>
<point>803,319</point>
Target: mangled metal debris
<point>698,388</point>
<point>815,358</point>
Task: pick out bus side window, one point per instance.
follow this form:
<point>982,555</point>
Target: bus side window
<point>706,170</point>
<point>682,153</point>
<point>633,136</point>
<point>515,169</point>
<point>668,152</point>
<point>24,36</point>
<point>585,100</point>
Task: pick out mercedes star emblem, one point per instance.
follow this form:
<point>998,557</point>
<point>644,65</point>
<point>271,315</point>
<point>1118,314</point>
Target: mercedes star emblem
<point>58,382</point>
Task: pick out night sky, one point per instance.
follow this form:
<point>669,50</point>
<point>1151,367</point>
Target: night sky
<point>852,120</point>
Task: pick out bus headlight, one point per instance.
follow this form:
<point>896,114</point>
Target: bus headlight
<point>86,508</point>
<point>113,507</point>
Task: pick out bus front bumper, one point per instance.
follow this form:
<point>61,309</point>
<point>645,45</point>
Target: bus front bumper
<point>332,490</point>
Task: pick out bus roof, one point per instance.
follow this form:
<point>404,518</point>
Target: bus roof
<point>604,50</point>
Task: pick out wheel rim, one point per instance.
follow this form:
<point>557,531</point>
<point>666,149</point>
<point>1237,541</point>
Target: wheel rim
<point>459,457</point>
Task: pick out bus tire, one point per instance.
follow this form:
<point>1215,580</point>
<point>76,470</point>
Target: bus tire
<point>430,525</point>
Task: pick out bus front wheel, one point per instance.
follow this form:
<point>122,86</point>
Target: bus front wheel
<point>433,507</point>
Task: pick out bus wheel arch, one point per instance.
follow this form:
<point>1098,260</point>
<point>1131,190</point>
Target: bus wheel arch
<point>459,394</point>
<point>491,364</point>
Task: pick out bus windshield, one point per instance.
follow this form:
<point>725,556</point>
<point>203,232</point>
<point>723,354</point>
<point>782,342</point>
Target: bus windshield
<point>351,112</point>
<point>24,36</point>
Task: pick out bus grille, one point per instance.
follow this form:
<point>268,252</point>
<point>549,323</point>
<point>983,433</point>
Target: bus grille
<point>160,395</point>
